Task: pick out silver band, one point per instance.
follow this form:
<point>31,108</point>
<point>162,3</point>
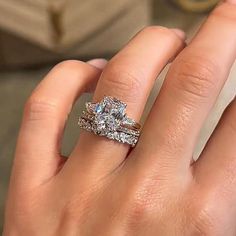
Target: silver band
<point>108,118</point>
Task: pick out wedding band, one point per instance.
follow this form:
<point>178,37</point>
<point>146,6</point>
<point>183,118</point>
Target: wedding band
<point>108,118</point>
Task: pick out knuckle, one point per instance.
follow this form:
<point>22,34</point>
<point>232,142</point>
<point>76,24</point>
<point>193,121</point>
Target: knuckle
<point>201,220</point>
<point>124,83</point>
<point>139,205</point>
<point>196,77</point>
<point>39,109</point>
<point>137,212</point>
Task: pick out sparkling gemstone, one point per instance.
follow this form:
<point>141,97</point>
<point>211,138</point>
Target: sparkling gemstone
<point>110,135</point>
<point>122,137</point>
<point>116,135</point>
<point>100,121</point>
<point>108,116</point>
<point>108,100</point>
<point>112,123</point>
<point>114,107</point>
<point>98,109</point>
<point>105,121</point>
<point>94,128</point>
<point>130,140</point>
<point>128,121</point>
<point>118,112</point>
<point>90,107</point>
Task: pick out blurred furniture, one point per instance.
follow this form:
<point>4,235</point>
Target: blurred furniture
<point>67,28</point>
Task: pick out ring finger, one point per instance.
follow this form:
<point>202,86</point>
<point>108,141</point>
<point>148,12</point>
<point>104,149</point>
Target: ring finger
<point>129,78</point>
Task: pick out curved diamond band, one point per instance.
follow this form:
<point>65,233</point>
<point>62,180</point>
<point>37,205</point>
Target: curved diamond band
<point>108,118</point>
<point>117,135</point>
<point>92,119</point>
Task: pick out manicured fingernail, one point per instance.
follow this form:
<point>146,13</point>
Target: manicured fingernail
<point>100,63</point>
<point>231,1</point>
<point>180,33</point>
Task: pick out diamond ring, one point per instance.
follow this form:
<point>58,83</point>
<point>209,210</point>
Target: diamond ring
<point>108,118</point>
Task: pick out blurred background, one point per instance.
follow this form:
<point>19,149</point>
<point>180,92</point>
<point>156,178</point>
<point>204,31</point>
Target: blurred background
<point>36,34</point>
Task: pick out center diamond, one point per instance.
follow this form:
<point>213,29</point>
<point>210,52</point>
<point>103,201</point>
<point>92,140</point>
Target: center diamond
<point>114,107</point>
<point>109,114</point>
<point>106,121</point>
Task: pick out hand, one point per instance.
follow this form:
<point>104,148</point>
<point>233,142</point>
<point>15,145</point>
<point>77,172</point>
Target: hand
<point>104,188</point>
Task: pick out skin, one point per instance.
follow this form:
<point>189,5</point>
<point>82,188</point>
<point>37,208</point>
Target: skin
<point>104,188</point>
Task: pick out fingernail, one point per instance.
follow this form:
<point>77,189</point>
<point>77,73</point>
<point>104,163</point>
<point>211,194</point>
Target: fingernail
<point>100,63</point>
<point>231,1</point>
<point>180,33</point>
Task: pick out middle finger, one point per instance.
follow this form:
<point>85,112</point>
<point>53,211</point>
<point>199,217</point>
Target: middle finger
<point>189,92</point>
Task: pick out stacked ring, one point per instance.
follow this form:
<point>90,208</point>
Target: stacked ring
<point>108,118</point>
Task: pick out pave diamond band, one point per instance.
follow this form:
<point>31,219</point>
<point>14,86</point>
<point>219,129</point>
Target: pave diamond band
<point>108,118</point>
<point>117,135</point>
<point>91,118</point>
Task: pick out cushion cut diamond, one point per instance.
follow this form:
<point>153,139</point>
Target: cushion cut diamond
<point>100,121</point>
<point>108,118</point>
<point>109,114</point>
